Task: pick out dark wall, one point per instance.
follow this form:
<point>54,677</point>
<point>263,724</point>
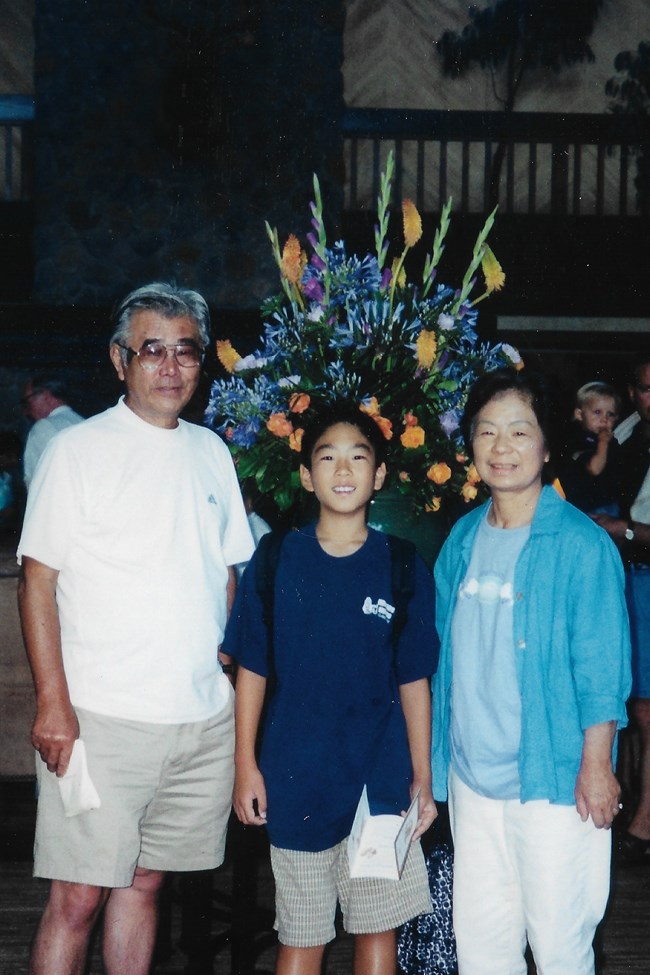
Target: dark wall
<point>167,132</point>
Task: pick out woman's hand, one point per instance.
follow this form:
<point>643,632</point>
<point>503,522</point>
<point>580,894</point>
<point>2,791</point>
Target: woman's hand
<point>597,791</point>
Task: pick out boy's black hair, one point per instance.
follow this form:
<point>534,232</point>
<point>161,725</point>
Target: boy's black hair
<point>529,385</point>
<point>341,412</point>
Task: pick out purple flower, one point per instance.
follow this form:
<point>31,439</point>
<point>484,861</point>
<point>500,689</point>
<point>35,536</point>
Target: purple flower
<point>386,278</point>
<point>313,289</point>
<point>449,422</point>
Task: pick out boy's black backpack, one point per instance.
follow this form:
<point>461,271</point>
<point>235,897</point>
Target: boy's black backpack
<point>402,560</point>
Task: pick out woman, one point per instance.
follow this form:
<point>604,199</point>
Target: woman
<point>530,690</point>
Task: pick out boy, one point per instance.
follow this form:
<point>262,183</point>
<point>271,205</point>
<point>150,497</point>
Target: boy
<point>345,709</point>
<point>590,474</point>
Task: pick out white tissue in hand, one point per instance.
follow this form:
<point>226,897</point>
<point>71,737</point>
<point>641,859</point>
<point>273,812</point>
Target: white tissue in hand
<point>77,790</point>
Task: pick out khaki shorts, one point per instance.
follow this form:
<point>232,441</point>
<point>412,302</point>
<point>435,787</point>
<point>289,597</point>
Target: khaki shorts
<point>165,794</point>
<point>308,885</point>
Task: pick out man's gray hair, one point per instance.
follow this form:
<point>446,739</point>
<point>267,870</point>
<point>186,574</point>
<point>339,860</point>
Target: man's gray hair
<point>169,301</point>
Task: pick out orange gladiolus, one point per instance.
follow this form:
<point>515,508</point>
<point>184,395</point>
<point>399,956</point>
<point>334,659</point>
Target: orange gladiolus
<point>412,223</point>
<point>278,425</point>
<point>426,347</point>
<point>228,357</point>
<point>293,260</point>
<point>299,402</point>
<point>439,473</point>
<point>412,437</point>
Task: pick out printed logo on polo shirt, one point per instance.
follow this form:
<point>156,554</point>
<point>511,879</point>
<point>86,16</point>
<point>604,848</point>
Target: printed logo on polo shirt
<point>212,499</point>
<point>381,608</point>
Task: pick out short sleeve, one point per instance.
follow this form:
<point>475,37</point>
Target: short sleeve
<point>419,647</point>
<point>54,506</point>
<point>246,637</point>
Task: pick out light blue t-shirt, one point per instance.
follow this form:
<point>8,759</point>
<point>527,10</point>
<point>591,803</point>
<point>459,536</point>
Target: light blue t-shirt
<point>485,699</point>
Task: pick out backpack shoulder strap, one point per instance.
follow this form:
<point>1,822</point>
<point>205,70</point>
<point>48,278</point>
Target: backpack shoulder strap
<point>402,569</point>
<point>268,556</point>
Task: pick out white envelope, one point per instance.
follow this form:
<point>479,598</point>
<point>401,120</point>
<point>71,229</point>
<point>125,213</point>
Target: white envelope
<point>77,790</point>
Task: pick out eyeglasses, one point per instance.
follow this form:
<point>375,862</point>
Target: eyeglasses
<point>153,353</point>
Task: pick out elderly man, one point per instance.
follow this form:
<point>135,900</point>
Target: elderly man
<point>45,402</point>
<point>133,525</point>
<point>632,533</point>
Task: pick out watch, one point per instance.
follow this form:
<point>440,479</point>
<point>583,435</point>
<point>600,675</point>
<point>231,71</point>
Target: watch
<point>629,533</point>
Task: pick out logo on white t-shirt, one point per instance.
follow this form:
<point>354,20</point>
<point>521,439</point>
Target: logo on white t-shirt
<point>381,608</point>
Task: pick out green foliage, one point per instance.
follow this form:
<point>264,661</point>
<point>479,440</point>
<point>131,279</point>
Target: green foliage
<point>520,35</point>
<point>630,94</point>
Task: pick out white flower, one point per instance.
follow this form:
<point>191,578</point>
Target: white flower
<point>445,321</point>
<point>249,362</point>
<point>511,352</point>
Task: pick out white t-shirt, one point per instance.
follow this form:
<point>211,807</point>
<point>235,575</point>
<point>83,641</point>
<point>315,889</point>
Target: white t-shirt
<point>40,435</point>
<point>141,523</point>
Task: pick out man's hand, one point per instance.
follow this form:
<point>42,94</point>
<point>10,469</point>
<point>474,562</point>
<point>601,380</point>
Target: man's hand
<point>249,796</point>
<point>54,733</point>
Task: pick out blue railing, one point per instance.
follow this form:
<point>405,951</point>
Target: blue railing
<point>530,163</point>
<point>16,153</point>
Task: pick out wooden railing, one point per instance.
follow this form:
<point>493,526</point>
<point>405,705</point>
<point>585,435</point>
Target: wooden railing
<point>530,163</point>
<point>16,151</point>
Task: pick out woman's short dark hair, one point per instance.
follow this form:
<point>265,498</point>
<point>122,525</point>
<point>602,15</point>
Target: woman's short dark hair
<point>529,385</point>
<point>341,412</point>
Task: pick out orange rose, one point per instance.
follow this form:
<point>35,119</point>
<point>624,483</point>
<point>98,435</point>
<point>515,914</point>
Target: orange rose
<point>434,504</point>
<point>439,473</point>
<point>412,437</point>
<point>469,491</point>
<point>278,425</point>
<point>299,402</point>
<point>370,406</point>
<point>473,476</point>
<point>410,420</point>
<point>404,476</point>
<point>295,439</point>
<point>384,425</point>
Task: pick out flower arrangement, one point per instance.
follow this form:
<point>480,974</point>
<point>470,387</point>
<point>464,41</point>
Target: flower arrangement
<point>350,327</point>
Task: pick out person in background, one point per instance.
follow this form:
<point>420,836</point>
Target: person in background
<point>133,526</point>
<point>45,402</point>
<point>631,532</point>
<point>258,526</point>
<point>531,688</point>
<point>590,470</point>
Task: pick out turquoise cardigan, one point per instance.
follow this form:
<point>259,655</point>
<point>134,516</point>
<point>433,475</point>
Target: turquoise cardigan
<point>571,638</point>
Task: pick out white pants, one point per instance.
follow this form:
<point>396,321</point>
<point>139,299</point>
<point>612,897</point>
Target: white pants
<point>525,871</point>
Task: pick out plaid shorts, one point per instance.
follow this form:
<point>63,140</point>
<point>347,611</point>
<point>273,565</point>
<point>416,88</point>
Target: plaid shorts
<point>308,885</point>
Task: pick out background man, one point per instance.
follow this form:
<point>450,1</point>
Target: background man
<point>45,402</point>
<point>133,525</point>
<point>632,533</point>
